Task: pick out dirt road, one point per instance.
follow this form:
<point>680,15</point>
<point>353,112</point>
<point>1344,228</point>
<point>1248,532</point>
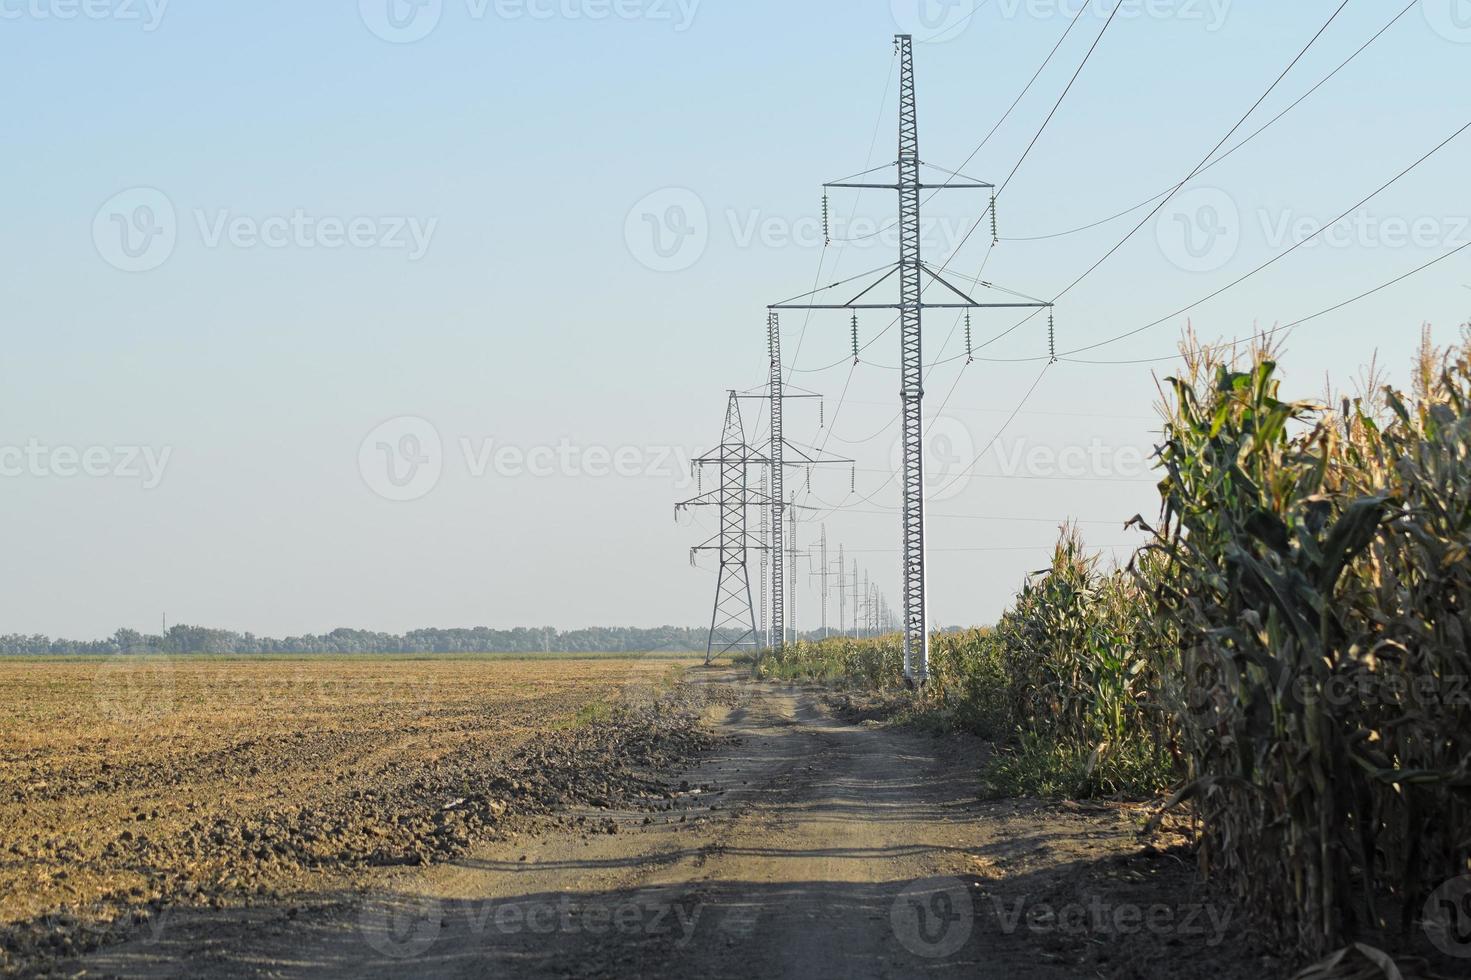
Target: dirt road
<point>805,847</point>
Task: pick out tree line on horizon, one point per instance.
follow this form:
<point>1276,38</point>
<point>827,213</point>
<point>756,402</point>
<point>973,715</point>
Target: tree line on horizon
<point>199,639</point>
<point>183,639</point>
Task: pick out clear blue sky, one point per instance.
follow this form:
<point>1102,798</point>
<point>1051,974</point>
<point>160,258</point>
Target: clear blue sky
<point>517,139</point>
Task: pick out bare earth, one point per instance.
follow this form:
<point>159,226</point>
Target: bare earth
<point>803,846</point>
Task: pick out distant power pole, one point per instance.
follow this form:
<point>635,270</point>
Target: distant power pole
<point>783,587</point>
<point>842,593</point>
<point>732,621</point>
<point>792,582</point>
<point>912,273</point>
<point>824,581</point>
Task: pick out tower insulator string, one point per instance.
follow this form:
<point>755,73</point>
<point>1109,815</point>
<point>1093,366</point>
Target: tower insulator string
<point>827,235</point>
<point>969,350</point>
<point>1051,338</point>
<point>995,235</point>
<point>855,338</point>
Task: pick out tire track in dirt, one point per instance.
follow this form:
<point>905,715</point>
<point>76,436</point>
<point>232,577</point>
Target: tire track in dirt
<point>806,847</point>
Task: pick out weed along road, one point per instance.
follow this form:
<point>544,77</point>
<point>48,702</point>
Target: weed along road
<point>801,845</point>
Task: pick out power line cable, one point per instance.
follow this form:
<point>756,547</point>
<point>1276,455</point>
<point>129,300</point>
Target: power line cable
<point>1264,127</point>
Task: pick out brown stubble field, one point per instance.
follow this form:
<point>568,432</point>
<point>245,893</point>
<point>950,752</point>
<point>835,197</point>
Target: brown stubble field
<point>128,785</point>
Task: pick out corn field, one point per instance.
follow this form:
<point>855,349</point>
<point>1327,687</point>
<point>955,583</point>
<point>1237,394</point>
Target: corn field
<point>1288,652</point>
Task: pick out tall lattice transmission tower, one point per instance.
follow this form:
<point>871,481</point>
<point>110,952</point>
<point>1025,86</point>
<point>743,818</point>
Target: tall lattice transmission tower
<point>914,278</point>
<point>781,454</point>
<point>732,621</point>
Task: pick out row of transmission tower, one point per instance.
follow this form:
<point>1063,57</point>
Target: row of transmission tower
<point>733,624</point>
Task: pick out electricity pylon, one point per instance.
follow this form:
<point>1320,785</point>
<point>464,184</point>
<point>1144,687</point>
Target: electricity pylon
<point>914,278</point>
<point>763,637</point>
<point>822,552</point>
<point>780,454</point>
<point>732,621</point>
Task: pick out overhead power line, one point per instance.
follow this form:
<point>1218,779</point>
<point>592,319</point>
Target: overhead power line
<point>1263,128</point>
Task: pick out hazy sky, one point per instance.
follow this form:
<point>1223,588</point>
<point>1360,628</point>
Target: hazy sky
<point>384,315</point>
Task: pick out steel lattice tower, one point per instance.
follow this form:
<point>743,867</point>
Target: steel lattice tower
<point>911,374</point>
<point>914,277</point>
<point>778,565</point>
<point>732,620</point>
<point>762,626</point>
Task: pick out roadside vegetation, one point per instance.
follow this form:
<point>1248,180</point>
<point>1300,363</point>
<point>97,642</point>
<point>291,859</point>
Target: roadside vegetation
<point>1288,654</point>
